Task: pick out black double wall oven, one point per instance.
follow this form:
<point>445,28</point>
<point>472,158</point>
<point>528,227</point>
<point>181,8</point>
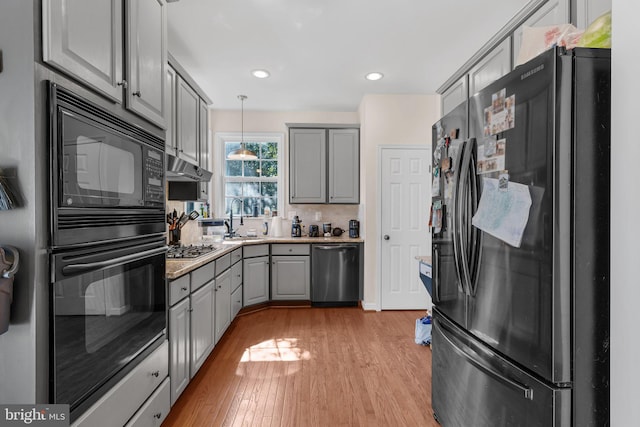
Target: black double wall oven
<point>107,248</point>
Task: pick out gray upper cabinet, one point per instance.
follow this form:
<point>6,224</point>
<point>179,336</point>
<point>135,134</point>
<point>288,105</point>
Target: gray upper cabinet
<point>84,39</point>
<point>307,166</point>
<point>552,12</point>
<point>188,110</point>
<point>344,166</point>
<point>494,65</point>
<point>147,58</point>
<point>203,134</point>
<point>588,10</point>
<point>171,143</point>
<point>455,95</point>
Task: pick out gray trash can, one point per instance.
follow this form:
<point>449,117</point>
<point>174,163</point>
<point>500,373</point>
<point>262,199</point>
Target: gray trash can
<point>9,260</point>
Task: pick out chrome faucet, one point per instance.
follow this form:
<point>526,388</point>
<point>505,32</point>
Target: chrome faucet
<point>230,231</point>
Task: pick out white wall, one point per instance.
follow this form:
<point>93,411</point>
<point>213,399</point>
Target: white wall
<point>386,120</point>
<point>625,205</point>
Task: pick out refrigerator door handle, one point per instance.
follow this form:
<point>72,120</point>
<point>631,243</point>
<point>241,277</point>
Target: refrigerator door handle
<point>455,226</point>
<point>461,191</point>
<point>527,392</point>
<point>436,274</point>
<point>476,234</point>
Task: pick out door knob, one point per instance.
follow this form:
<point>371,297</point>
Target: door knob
<point>386,237</point>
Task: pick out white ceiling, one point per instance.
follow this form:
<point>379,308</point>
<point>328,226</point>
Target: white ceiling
<point>318,51</point>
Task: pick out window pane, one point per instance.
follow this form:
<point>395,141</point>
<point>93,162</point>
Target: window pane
<point>229,201</point>
<point>269,151</point>
<point>234,168</point>
<point>271,203</point>
<point>269,189</point>
<point>249,203</point>
<point>253,146</point>
<point>233,189</point>
<point>269,168</point>
<point>251,189</point>
<point>251,167</point>
<point>229,147</point>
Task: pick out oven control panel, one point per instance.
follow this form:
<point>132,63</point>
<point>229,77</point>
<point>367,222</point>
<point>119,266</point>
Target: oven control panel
<point>154,177</point>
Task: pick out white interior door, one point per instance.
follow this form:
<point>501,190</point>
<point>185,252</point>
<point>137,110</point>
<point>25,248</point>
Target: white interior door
<point>405,204</point>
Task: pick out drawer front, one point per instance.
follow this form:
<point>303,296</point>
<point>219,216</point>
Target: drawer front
<point>203,275</point>
<point>251,251</point>
<point>294,249</point>
<point>236,256</point>
<point>123,400</point>
<point>179,289</point>
<point>236,301</point>
<point>222,264</point>
<point>236,275</point>
<point>155,409</point>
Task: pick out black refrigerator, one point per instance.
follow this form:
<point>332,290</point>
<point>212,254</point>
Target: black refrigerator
<point>520,226</point>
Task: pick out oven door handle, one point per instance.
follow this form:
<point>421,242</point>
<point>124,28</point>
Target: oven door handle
<point>82,268</point>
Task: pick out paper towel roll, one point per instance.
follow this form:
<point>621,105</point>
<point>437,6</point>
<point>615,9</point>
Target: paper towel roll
<point>276,226</point>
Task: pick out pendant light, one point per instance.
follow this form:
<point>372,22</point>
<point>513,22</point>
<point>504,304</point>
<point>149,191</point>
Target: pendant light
<point>242,153</point>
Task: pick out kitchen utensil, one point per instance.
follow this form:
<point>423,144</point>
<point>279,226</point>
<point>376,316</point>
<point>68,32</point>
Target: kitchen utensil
<point>354,228</point>
<point>296,228</point>
<point>337,231</point>
<point>183,218</point>
<point>276,226</point>
<point>194,215</point>
<point>314,231</point>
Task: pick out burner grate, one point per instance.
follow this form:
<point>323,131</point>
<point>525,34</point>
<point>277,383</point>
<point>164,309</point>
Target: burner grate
<point>191,251</point>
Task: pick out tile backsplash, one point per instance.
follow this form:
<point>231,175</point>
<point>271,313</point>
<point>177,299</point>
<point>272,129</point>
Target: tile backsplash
<point>337,215</point>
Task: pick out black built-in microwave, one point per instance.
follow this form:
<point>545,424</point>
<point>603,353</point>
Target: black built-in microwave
<point>107,175</point>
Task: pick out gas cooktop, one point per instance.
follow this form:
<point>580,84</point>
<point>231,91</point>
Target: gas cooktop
<point>190,251</point>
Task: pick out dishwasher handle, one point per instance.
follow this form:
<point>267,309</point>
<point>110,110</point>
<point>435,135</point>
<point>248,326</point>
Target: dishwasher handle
<point>333,247</point>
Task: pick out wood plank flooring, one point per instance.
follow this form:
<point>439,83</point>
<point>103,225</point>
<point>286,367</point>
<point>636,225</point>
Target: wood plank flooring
<point>312,367</point>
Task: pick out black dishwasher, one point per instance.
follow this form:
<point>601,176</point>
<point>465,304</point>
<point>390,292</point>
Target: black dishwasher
<point>336,274</point>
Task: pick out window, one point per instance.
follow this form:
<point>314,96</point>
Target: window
<point>256,183</point>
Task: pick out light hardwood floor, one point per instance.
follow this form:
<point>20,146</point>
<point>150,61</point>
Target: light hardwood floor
<point>313,367</point>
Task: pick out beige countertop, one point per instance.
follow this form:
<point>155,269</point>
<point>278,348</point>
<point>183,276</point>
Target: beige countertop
<point>425,259</point>
<point>179,267</point>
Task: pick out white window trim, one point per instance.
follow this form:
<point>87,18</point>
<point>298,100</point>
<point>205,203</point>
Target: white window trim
<point>219,158</point>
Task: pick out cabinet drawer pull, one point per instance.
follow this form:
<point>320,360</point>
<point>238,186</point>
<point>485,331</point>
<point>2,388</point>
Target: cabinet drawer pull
<point>184,288</point>
<point>155,374</point>
<point>123,83</point>
<point>157,415</point>
<point>137,93</point>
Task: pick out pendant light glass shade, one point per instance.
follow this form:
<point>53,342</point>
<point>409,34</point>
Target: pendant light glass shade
<point>242,153</point>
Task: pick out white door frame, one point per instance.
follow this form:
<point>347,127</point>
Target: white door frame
<point>381,148</point>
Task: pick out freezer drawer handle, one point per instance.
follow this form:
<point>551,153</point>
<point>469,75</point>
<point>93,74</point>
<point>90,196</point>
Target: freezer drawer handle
<point>527,392</point>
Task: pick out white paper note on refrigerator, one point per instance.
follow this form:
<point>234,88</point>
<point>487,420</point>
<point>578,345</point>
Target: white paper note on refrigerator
<point>503,214</point>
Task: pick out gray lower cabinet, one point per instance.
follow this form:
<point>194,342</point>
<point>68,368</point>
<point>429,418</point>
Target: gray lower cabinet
<point>290,271</point>
<point>130,398</point>
<point>223,304</point>
<point>203,308</point>
<point>236,301</point>
<point>155,409</point>
<point>256,280</point>
<point>180,339</point>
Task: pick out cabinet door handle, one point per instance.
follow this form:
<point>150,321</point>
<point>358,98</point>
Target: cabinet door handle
<point>155,374</point>
<point>184,288</point>
<point>386,237</point>
<point>157,415</point>
<point>123,83</point>
<point>137,93</point>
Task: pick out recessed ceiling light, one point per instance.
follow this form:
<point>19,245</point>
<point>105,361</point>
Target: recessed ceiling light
<point>261,74</point>
<point>374,76</point>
